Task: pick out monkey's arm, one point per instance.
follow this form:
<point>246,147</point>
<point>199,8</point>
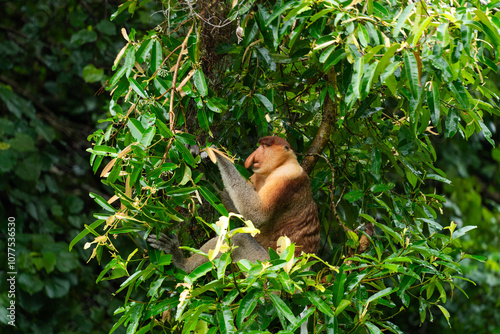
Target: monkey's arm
<point>244,197</point>
<point>227,201</point>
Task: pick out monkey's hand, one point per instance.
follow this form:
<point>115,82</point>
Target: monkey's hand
<point>214,154</point>
<point>169,245</point>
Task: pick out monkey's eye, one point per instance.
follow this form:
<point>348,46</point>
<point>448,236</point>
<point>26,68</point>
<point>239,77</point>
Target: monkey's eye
<point>287,148</point>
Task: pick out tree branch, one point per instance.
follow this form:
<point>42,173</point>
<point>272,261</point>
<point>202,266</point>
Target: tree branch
<point>323,136</point>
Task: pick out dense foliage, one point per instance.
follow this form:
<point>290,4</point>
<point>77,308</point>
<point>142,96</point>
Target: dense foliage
<point>52,59</point>
<point>362,87</point>
<point>302,68</point>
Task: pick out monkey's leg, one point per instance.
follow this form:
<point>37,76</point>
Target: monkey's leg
<point>170,245</point>
<point>248,248</point>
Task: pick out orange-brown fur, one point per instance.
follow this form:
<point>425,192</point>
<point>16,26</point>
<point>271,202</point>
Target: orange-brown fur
<point>285,192</point>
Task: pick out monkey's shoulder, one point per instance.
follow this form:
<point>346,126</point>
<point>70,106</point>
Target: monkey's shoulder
<point>286,173</point>
<point>288,186</point>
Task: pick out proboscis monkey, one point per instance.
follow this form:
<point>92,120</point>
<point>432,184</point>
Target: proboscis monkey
<point>278,200</point>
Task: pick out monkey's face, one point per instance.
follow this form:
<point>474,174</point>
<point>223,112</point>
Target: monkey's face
<point>266,158</point>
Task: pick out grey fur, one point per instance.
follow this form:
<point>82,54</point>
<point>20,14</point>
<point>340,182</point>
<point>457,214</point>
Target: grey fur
<point>243,195</point>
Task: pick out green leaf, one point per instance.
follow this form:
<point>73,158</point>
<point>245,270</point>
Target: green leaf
<point>405,283</point>
<point>416,37</point>
<point>164,130</point>
<point>437,178</point>
<point>282,308</point>
<point>342,306</point>
<point>265,102</point>
<point>356,77</point>
<point>451,123</point>
<point>277,12</point>
<point>225,319</point>
<point>411,71</point>
<point>320,304</point>
<point>212,199</point>
<point>363,36</point>
<point>443,34</point>
<point>487,133</point>
<point>457,234</point>
<point>92,74</point>
<point>200,82</point>
<point>264,55</point>
<point>321,14</point>
<point>148,136</point>
<point>56,287</point>
<point>434,102</point>
<point>135,317</point>
<point>247,305</point>
<point>198,272</point>
<point>186,153</point>
<point>102,202</point>
<point>354,195</point>
<point>491,31</point>
<point>22,142</point>
<point>117,76</point>
<point>458,89</point>
<point>385,60</point>
<point>390,231</point>
<point>376,161</point>
<point>129,60</point>
<point>121,8</point>
<point>86,231</point>
<point>136,129</point>
<point>216,104</point>
<point>194,320</point>
<point>338,287</point>
<point>83,36</point>
<point>378,188</point>
<point>441,64</point>
<point>324,56</point>
<point>334,58</point>
<point>422,309</point>
<point>144,50</point>
<point>156,57</point>
<point>380,294</point>
<point>367,82</point>
<point>445,313</point>
<point>442,292</point>
<point>402,19</point>
<point>373,328</point>
<point>475,257</point>
<point>203,119</point>
<point>103,150</point>
<point>137,88</point>
<point>115,172</point>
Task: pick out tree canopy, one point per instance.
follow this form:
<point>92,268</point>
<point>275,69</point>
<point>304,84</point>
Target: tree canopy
<point>386,103</point>
<point>360,88</point>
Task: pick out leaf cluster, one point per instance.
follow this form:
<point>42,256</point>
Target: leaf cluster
<point>378,79</point>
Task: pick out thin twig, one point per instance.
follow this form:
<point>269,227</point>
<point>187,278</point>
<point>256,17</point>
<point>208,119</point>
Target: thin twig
<point>174,82</point>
